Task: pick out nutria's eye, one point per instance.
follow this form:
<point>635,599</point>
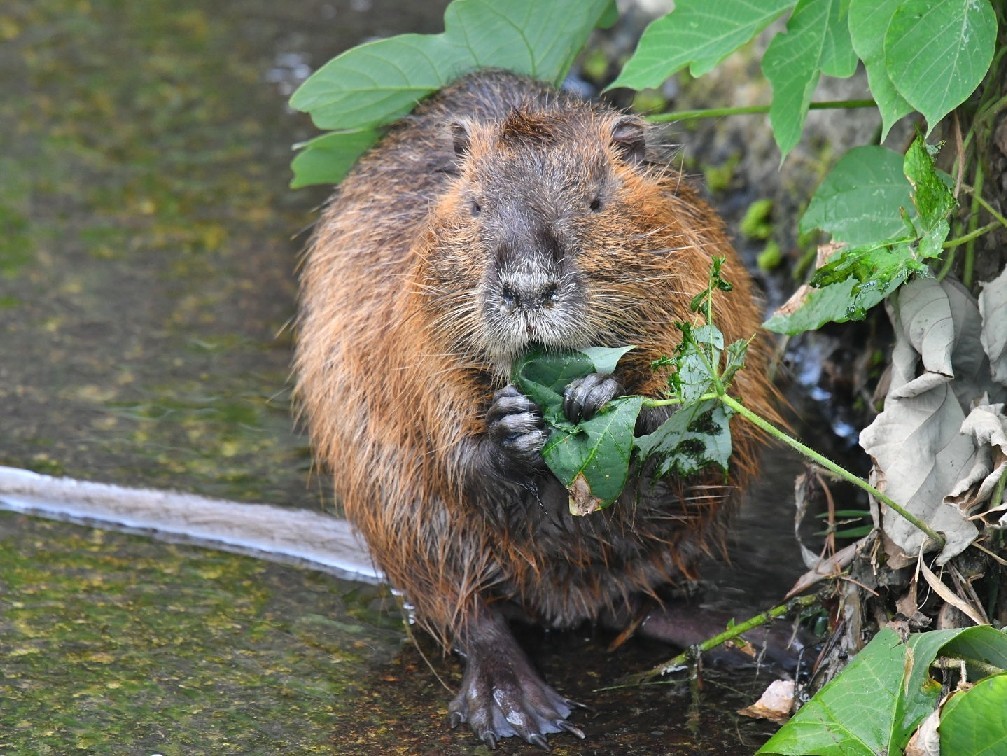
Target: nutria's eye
<point>595,205</point>
<point>475,207</point>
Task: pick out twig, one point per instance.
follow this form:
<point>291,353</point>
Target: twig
<point>730,634</point>
<point>828,464</point>
<point>686,115</point>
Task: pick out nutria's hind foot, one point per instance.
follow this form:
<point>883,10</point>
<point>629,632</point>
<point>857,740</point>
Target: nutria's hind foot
<point>501,694</point>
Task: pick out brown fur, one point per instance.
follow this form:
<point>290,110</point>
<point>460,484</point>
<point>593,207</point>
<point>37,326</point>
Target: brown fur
<point>397,360</point>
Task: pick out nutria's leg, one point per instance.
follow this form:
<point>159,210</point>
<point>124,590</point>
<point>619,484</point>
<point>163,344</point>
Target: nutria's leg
<point>501,693</point>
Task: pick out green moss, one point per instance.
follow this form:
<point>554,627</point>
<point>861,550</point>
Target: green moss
<point>594,65</point>
<point>757,222</point>
<point>718,177</point>
<point>113,640</point>
<point>770,257</point>
<point>649,101</point>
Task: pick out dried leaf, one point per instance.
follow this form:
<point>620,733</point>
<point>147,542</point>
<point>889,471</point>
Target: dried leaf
<point>775,704</point>
<point>987,425</point>
<point>993,308</point>
<point>974,613</point>
<point>926,741</point>
<point>916,441</point>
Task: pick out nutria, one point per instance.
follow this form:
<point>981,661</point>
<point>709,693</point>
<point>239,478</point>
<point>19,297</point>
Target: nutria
<point>500,215</point>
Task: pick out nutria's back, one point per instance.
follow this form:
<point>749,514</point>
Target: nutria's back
<point>503,215</point>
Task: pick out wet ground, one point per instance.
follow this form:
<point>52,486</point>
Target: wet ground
<point>148,247</point>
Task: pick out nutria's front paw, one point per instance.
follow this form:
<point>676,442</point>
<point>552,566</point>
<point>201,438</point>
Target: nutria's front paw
<point>585,396</point>
<point>514,424</point>
<point>501,696</point>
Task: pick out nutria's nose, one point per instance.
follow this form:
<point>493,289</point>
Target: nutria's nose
<point>528,293</point>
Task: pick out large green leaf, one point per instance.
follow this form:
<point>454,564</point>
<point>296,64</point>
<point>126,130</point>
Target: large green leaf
<point>853,714</point>
<point>378,82</point>
<point>817,41</point>
<point>869,20</point>
<point>330,155</point>
<point>542,376</point>
<point>696,32</point>
<point>857,278</point>
<point>593,460</point>
<point>861,198</point>
<point>938,51</point>
<point>875,704</point>
<point>975,721</point>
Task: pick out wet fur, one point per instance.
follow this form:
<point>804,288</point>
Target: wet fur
<point>397,360</point>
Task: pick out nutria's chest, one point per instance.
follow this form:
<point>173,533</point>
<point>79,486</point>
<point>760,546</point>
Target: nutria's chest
<point>536,517</point>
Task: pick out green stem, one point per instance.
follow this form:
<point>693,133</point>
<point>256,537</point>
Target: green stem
<point>674,402</point>
<point>686,115</point>
<point>949,261</point>
<point>998,492</point>
<point>730,634</point>
<point>992,225</point>
<point>831,466</point>
<point>973,222</point>
<point>985,205</point>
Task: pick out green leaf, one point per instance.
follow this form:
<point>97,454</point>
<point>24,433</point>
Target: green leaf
<point>838,56</point>
<point>875,704</point>
<point>605,359</point>
<point>542,376</point>
<point>379,82</point>
<point>694,437</point>
<point>861,199</point>
<point>596,455</point>
<point>869,20</point>
<point>931,196</point>
<point>736,353</point>
<point>329,157</point>
<point>817,39</point>
<point>875,263</point>
<point>696,359</point>
<point>975,720</point>
<point>938,51</point>
<point>590,458</point>
<point>696,32</point>
<point>848,299</point>
<point>854,713</point>
<point>857,278</point>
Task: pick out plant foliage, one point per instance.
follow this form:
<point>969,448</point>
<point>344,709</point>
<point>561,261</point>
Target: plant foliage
<point>924,54</point>
<point>876,703</point>
<point>593,458</point>
<point>374,84</point>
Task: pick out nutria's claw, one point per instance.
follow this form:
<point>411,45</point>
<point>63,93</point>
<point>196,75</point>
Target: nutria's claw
<point>567,727</point>
<point>503,696</point>
<point>514,424</point>
<point>585,396</point>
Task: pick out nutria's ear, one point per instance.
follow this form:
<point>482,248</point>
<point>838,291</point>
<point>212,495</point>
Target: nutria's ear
<point>461,136</point>
<point>628,139</point>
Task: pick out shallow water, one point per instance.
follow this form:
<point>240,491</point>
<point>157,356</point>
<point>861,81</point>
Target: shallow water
<point>147,277</point>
